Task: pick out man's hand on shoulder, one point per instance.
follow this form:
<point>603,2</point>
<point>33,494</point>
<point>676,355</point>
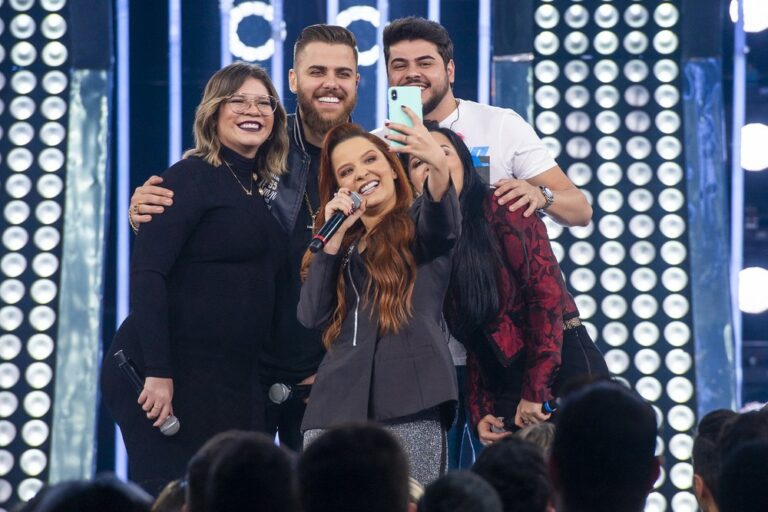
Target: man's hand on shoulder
<point>148,200</point>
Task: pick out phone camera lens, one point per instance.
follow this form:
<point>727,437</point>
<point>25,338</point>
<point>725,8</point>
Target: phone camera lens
<point>394,95</point>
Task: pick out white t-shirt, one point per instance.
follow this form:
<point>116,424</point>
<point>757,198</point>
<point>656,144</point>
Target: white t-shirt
<point>503,144</point>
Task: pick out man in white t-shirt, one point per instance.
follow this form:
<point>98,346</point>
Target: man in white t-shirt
<point>506,150</point>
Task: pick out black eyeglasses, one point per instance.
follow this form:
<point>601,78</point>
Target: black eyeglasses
<point>241,103</point>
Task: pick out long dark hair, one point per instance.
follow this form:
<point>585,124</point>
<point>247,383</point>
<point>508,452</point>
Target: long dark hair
<point>472,301</point>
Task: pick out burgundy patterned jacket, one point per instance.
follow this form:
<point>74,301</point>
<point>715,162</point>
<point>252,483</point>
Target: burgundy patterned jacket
<point>533,300</point>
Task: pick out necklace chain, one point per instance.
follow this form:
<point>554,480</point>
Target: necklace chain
<point>458,115</point>
<point>312,212</point>
<point>248,192</point>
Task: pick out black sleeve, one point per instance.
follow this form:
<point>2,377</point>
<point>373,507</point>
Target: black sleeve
<point>438,223</point>
<point>318,293</point>
<point>156,249</point>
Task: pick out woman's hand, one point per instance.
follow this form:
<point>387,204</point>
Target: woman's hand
<point>418,143</point>
<point>484,432</point>
<point>156,398</point>
<point>529,413</point>
<point>341,202</point>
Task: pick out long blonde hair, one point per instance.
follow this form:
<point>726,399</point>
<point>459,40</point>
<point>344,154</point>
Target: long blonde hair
<point>272,155</point>
<point>388,258</point>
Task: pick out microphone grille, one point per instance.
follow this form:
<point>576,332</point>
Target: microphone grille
<point>170,426</point>
<point>356,199</point>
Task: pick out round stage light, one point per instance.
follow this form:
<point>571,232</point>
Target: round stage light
<point>546,71</point>
<point>40,346</point>
<point>611,226</point>
<point>52,134</point>
<point>684,502</point>
<point>9,375</point>
<point>53,108</point>
<point>35,432</point>
<point>755,15</point>
<point>637,121</point>
<point>38,375</point>
<point>23,82</point>
<point>552,145</point>
<point>582,279</point>
<point>558,251</point>
<point>677,333</point>
<point>642,252</point>
<point>753,154</point>
<point>48,212</point>
<point>21,133</point>
<point>582,232</point>
<point>21,5</point>
<point>577,96</point>
<point>649,388</point>
<point>22,108</point>
<point>13,264</point>
<point>666,15</point>
<point>636,70</point>
<point>671,199</point>
<point>12,291</point>
<point>665,42</point>
<point>637,96</point>
<point>54,54</point>
<point>678,361</point>
<point>546,43</point>
<point>53,26</point>
<point>606,42</point>
<point>578,148</point>
<point>15,238</point>
<point>609,174</point>
<point>37,404</point>
<point>675,306</point>
<point>681,475</point>
<point>667,121</point>
<point>54,82</point>
<point>10,346</point>
<point>647,361</point>
<point>636,16</point>
<point>646,334</point>
<point>617,361</point>
<point>22,26</point>
<point>29,488</point>
<point>641,200</point>
<point>577,122</point>
<point>681,418</point>
<point>18,186</point>
<point>610,200</point>
<point>576,43</point>
<point>613,279</point>
<point>672,225</point>
<point>8,403</point>
<point>665,70</point>
<point>606,71</point>
<point>586,305</point>
<point>606,16</point>
<point>615,334</point>
<point>680,389</point>
<point>581,253</point>
<point>19,159</point>
<point>51,159</point>
<point>641,226</point>
<point>6,462</point>
<point>43,291</point>
<point>639,147</point>
<point>666,96</point>
<point>607,96</point>
<point>644,306</point>
<point>49,186</point>
<point>23,54</point>
<point>576,16</point>
<point>608,122</point>
<point>579,173</point>
<point>673,252</point>
<point>7,433</point>
<point>576,71</point>
<point>547,96</point>
<point>553,228</point>
<point>639,173</point>
<point>675,279</point>
<point>669,147</point>
<point>753,282</point>
<point>42,318</point>
<point>546,16</point>
<point>16,212</point>
<point>614,306</point>
<point>644,279</point>
<point>33,462</point>
<point>47,238</point>
<point>681,446</point>
<point>547,122</point>
<point>608,147</point>
<point>670,173</point>
<point>53,5</point>
<point>45,264</point>
<point>612,252</point>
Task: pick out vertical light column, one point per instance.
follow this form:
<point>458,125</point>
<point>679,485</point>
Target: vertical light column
<point>174,81</point>
<point>484,52</point>
<point>381,65</point>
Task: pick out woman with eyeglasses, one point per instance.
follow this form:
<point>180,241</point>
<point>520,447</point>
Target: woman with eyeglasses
<point>202,284</point>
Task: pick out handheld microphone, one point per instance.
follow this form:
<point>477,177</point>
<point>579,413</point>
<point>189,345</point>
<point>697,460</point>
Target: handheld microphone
<point>550,406</point>
<point>332,225</point>
<point>171,425</point>
<point>279,392</point>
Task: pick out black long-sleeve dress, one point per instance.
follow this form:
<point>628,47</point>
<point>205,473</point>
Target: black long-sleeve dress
<point>202,292</point>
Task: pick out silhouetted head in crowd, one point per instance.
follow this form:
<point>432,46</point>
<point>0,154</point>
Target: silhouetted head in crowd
<point>354,468</point>
<point>102,493</point>
<point>516,469</point>
<point>172,498</point>
<point>603,455</point>
<point>744,478</point>
<point>706,458</point>
<point>541,435</point>
<point>742,428</point>
<point>251,473</point>
<point>460,491</point>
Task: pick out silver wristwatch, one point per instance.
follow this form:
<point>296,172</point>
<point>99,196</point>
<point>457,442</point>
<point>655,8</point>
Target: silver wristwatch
<point>549,197</point>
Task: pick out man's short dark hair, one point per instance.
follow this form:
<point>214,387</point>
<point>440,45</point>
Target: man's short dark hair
<point>252,474</point>
<point>354,468</point>
<point>412,28</point>
<point>199,468</point>
<point>742,428</point>
<point>460,490</point>
<point>603,456</point>
<point>706,457</point>
<point>744,479</point>
<point>516,469</point>
<point>328,34</point>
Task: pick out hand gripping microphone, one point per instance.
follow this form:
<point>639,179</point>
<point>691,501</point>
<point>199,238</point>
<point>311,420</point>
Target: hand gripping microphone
<point>171,424</point>
<point>550,406</point>
<point>332,225</point>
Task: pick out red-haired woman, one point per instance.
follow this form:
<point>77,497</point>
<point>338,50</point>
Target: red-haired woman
<point>377,290</point>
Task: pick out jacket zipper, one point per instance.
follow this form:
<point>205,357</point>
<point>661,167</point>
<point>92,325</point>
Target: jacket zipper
<point>357,303</point>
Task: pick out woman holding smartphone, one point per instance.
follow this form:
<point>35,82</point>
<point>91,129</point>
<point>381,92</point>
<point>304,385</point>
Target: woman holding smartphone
<point>507,303</point>
<point>377,290</point>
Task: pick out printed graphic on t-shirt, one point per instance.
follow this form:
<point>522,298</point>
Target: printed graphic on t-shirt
<point>481,159</point>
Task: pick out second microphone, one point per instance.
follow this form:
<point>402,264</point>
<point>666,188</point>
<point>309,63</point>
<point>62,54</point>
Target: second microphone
<point>332,225</point>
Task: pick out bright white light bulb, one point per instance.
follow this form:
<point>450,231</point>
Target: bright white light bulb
<point>755,14</point>
<point>753,154</point>
<point>753,282</point>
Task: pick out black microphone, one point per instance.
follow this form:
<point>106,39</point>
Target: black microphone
<point>171,424</point>
<point>550,406</point>
<point>332,225</point>
<point>279,392</point>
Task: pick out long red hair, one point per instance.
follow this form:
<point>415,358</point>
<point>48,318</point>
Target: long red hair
<point>388,257</point>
